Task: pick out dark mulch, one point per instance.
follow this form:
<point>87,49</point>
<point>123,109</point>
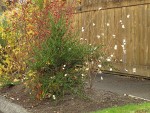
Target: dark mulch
<point>96,100</point>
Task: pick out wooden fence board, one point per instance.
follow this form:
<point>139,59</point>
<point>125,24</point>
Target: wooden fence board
<point>148,14</point>
<point>118,19</point>
<point>146,34</point>
<point>110,30</point>
<point>132,37</point>
<point>137,26</point>
<point>128,32</point>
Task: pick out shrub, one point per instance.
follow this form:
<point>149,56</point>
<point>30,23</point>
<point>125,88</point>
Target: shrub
<point>58,58</point>
<point>11,64</point>
<point>42,47</point>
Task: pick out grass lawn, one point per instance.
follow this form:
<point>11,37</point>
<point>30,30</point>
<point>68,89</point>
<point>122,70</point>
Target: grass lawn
<point>132,108</point>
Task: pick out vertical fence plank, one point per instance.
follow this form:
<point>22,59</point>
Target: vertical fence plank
<point>136,26</point>
<point>128,31</point>
<point>103,27</point>
<point>141,37</point>
<point>118,19</point>
<point>132,37</point>
<point>148,14</point>
<point>146,34</point>
<point>110,32</point>
<point>124,36</point>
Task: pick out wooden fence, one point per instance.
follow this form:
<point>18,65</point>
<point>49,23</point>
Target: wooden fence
<point>123,26</point>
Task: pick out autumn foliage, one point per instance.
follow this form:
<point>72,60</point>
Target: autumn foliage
<point>40,48</point>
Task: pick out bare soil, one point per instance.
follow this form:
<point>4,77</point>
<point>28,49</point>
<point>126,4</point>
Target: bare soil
<point>96,99</point>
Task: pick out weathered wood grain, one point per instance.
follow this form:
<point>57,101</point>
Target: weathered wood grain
<point>127,20</point>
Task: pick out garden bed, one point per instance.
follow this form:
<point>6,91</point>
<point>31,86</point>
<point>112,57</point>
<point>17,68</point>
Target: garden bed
<point>69,104</point>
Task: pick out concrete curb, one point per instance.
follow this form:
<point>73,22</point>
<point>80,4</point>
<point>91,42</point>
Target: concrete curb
<point>9,107</point>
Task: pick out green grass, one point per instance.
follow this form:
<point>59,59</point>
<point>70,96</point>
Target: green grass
<point>132,108</point>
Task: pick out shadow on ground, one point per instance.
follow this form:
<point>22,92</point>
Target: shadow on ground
<point>123,85</point>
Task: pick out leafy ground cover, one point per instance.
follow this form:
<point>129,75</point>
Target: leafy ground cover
<point>132,108</point>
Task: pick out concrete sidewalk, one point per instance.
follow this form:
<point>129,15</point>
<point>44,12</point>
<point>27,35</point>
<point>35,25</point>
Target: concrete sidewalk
<point>123,85</point>
<point>8,107</point>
